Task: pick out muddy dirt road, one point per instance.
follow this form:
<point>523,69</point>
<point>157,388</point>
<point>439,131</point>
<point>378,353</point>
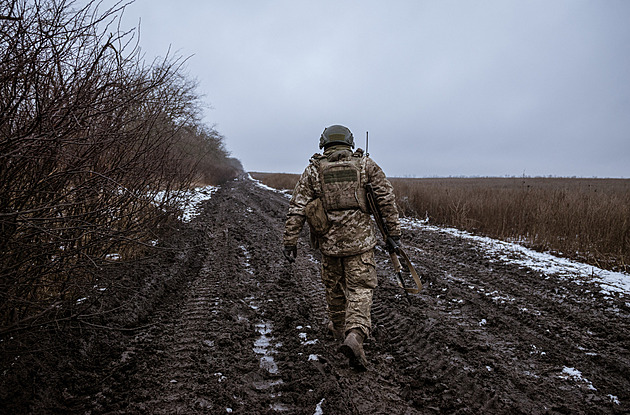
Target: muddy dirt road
<point>245,333</point>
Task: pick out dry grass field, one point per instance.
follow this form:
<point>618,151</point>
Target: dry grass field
<point>585,219</point>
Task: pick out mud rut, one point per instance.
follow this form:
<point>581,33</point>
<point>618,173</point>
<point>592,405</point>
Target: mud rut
<point>246,334</point>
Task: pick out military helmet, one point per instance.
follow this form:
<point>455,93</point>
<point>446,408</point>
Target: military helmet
<point>336,134</point>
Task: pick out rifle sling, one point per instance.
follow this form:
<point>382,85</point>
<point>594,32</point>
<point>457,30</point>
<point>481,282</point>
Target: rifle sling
<point>413,272</point>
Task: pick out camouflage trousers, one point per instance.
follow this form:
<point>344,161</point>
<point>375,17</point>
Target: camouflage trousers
<point>349,283</point>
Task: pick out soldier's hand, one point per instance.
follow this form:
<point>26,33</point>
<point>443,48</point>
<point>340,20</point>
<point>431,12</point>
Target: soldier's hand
<point>290,253</point>
<point>393,244</point>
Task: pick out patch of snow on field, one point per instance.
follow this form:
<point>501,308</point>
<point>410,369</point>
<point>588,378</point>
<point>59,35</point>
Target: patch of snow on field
<point>303,336</point>
<point>614,399</point>
<point>258,183</point>
<point>190,200</point>
<point>197,196</point>
<point>318,408</point>
<point>311,258</point>
<point>545,263</point>
<point>576,375</point>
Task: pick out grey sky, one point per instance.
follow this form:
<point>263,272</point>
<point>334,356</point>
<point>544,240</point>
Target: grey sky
<point>486,88</point>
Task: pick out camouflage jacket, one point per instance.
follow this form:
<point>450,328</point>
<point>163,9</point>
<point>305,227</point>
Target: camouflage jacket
<point>351,231</point>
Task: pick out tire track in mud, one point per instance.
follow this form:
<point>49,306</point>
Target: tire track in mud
<point>511,320</point>
<point>291,307</point>
<point>246,333</point>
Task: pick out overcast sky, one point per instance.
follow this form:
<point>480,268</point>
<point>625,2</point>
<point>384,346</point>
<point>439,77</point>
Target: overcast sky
<point>445,88</point>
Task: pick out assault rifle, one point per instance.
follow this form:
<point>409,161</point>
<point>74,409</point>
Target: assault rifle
<point>394,250</point>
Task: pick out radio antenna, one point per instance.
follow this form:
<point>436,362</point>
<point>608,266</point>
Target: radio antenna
<point>366,144</point>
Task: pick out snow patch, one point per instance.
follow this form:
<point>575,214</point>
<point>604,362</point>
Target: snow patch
<point>576,375</point>
<point>536,351</point>
<point>260,184</point>
<point>262,347</point>
<point>318,408</point>
<point>545,263</point>
<point>191,200</point>
<point>248,266</point>
<point>303,339</point>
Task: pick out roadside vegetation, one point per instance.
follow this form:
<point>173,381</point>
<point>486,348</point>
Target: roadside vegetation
<point>584,219</point>
<point>97,152</point>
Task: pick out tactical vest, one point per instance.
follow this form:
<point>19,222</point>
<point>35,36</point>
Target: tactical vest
<point>343,182</point>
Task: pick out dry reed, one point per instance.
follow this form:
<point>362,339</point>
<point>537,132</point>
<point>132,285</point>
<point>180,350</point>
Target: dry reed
<point>586,219</point>
<point>281,181</point>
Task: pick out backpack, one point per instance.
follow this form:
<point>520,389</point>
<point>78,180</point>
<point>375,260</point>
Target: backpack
<point>343,181</point>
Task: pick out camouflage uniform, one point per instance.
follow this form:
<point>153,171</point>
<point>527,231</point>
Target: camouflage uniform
<point>348,267</point>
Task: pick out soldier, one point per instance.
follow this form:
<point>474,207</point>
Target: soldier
<point>330,195</point>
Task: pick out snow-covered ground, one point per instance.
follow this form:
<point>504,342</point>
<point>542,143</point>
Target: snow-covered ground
<point>286,193</point>
<point>189,201</point>
<point>545,263</point>
<point>197,196</point>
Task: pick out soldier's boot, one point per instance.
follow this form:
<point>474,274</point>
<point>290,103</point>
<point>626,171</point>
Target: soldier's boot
<point>352,347</point>
<point>337,333</point>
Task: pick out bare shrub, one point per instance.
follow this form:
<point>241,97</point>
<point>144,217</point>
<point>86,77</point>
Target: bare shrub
<point>96,149</point>
<point>202,151</point>
<point>580,218</point>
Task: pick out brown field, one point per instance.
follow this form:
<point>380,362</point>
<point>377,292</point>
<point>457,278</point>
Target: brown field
<point>585,219</point>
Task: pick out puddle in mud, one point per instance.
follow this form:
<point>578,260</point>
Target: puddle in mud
<point>263,347</point>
